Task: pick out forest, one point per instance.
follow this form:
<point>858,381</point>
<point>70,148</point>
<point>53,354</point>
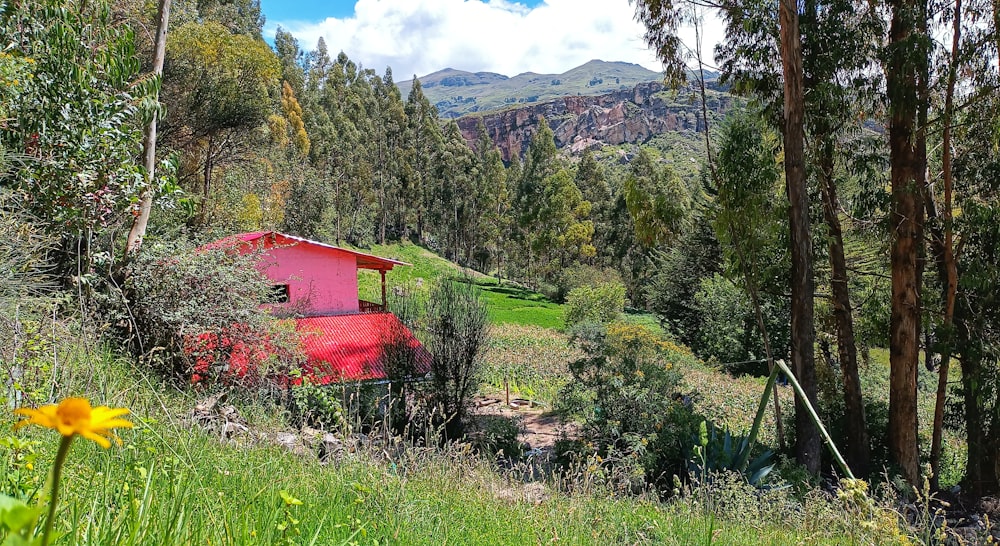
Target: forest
<point>843,217</point>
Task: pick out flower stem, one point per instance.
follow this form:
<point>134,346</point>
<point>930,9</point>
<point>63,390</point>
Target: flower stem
<point>56,474</point>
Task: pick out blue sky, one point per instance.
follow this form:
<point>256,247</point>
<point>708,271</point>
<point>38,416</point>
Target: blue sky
<point>317,10</point>
<point>504,36</point>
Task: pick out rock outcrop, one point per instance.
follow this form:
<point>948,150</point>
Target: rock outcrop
<point>626,116</point>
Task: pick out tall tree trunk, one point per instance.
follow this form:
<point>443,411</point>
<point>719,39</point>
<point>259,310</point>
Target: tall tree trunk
<point>858,449</point>
<point>802,336</point>
<point>907,175</point>
<point>138,230</point>
<point>945,250</point>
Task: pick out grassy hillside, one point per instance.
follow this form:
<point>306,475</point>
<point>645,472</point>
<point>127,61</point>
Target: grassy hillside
<point>172,482</point>
<point>456,92</point>
<point>507,303</point>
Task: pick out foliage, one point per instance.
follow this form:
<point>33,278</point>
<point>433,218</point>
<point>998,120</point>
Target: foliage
<point>728,333</point>
<point>219,87</point>
<point>625,390</point>
<point>456,329</point>
<point>316,406</point>
<point>680,273</point>
<point>497,437</point>
<point>579,275</point>
<point>196,313</point>
<point>222,80</point>
<point>75,115</point>
<point>601,303</point>
<point>657,200</point>
<point>720,450</point>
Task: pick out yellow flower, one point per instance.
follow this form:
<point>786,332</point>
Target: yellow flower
<point>75,416</point>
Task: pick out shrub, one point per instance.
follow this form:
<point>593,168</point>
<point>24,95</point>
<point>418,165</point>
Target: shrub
<point>601,303</point>
<point>728,332</point>
<point>578,275</point>
<point>625,389</point>
<point>317,405</point>
<point>399,357</point>
<point>197,314</point>
<point>457,328</point>
<point>497,437</point>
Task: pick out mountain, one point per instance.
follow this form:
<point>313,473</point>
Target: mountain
<point>456,92</point>
<point>628,116</point>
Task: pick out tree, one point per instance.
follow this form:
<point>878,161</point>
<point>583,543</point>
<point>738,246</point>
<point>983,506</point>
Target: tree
<point>448,204</point>
<point>906,70</point>
<point>807,444</point>
<point>540,162</point>
<point>218,85</point>
<point>656,199</point>
<point>838,82</point>
<point>290,56</point>
<point>661,19</point>
<point>138,231</point>
<point>943,242</point>
<point>388,118</point>
<point>423,138</point>
<point>75,120</point>
<point>747,219</point>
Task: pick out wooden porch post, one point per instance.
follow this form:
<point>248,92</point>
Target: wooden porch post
<point>384,302</point>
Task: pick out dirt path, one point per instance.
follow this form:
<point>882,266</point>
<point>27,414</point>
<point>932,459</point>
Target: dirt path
<point>539,428</point>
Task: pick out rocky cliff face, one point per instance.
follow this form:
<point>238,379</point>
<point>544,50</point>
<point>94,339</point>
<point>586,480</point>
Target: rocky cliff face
<point>626,116</point>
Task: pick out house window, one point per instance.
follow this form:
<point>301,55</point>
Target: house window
<point>279,293</point>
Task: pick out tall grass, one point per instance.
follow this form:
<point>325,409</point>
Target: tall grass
<point>172,484</point>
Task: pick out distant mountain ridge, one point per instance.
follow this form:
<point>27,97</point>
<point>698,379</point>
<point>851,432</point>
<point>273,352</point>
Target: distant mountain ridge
<point>457,92</point>
<point>628,116</point>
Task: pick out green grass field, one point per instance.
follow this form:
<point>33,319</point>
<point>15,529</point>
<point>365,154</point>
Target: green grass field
<point>507,303</point>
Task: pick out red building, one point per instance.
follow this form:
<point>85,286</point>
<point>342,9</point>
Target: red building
<point>344,337</point>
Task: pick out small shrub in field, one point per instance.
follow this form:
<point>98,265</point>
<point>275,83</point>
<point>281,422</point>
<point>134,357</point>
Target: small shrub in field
<point>625,389</point>
<point>317,405</point>
<point>602,303</point>
<point>497,436</point>
<point>457,329</point>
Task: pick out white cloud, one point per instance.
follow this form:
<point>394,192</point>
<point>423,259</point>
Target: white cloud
<point>423,36</point>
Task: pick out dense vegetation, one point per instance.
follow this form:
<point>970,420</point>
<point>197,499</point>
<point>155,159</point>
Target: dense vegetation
<point>802,230</point>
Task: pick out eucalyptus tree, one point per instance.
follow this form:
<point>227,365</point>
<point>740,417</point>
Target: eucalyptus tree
<point>540,162</point>
<point>454,166</point>
<point>388,117</point>
<point>964,245</point>
<point>662,19</point>
<point>286,47</point>
<point>493,183</point>
<point>138,230</point>
<point>656,199</point>
<point>423,137</point>
<point>906,67</point>
<point>976,332</point>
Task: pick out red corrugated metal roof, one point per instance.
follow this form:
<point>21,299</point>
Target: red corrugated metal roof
<point>348,348</point>
<point>273,238</point>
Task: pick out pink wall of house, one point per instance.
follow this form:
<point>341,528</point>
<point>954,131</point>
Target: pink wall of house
<point>320,281</point>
